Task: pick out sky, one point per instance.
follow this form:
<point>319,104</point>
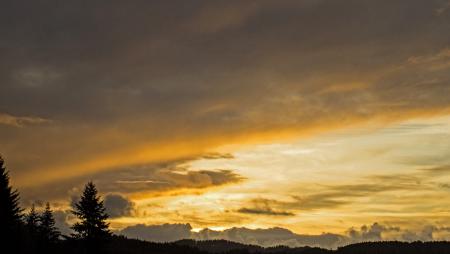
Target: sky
<point>314,122</point>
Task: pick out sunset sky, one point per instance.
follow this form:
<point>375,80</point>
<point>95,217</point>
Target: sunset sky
<point>313,116</point>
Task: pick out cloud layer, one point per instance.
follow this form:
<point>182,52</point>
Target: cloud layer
<point>152,179</point>
<point>280,236</point>
<point>190,78</point>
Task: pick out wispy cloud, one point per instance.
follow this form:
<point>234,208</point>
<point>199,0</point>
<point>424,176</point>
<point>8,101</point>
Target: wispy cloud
<point>214,156</point>
<point>264,211</point>
<point>151,179</point>
<point>21,121</point>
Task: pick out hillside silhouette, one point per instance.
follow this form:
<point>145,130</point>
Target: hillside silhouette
<point>35,232</point>
<point>120,244</point>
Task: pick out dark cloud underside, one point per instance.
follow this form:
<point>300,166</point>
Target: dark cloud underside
<point>115,75</point>
<point>150,179</point>
<point>118,206</point>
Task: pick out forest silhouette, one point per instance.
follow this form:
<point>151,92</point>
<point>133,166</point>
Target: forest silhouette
<point>35,232</point>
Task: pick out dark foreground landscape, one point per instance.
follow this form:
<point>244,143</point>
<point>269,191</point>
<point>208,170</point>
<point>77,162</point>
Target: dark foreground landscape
<point>118,244</point>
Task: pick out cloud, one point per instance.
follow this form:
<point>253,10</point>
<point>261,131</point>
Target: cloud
<point>384,193</point>
<point>168,179</point>
<point>21,121</point>
<point>118,206</point>
<point>264,211</point>
<point>281,236</point>
<point>372,233</point>
<point>262,237</point>
<point>214,156</point>
<point>328,197</point>
<point>436,171</point>
<point>223,15</point>
<point>158,233</point>
<point>441,10</point>
<point>63,221</point>
<point>148,179</point>
<point>379,232</point>
<point>264,207</point>
<point>427,233</point>
<point>438,60</point>
<point>274,237</point>
<point>136,96</point>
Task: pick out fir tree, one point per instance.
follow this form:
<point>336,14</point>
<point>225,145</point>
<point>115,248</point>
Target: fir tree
<point>10,212</point>
<point>32,220</point>
<point>47,228</point>
<point>91,212</point>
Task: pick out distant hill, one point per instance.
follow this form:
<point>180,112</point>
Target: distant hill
<point>219,246</point>
<point>394,247</point>
<point>224,246</point>
<point>123,245</point>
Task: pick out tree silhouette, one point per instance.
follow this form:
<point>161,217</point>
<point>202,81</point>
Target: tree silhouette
<point>91,212</point>
<point>10,212</point>
<point>47,228</point>
<point>32,220</point>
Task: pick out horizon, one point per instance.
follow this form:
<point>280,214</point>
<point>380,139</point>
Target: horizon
<point>324,118</point>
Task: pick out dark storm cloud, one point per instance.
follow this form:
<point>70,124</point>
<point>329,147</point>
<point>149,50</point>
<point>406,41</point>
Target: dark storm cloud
<point>118,206</point>
<point>117,75</point>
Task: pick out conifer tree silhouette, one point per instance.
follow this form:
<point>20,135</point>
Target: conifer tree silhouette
<point>32,220</point>
<point>91,212</point>
<point>47,228</point>
<point>10,212</point>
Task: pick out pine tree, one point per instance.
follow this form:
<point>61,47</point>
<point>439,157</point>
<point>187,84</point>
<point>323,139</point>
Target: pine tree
<point>32,220</point>
<point>91,212</point>
<point>10,212</point>
<point>47,228</point>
